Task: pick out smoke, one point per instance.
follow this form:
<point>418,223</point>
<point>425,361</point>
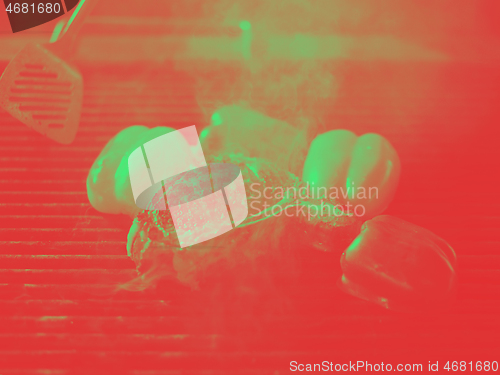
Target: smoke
<point>248,70</point>
<point>263,63</point>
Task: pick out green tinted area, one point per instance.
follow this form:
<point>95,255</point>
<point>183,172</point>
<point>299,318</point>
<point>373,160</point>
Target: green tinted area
<point>245,25</point>
<point>216,119</point>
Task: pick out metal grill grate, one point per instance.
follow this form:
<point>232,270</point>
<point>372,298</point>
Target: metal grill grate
<point>59,258</point>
